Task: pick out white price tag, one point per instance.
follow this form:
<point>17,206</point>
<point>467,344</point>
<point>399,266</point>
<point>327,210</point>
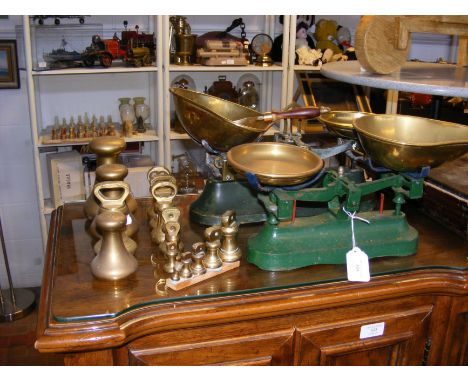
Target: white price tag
<point>357,264</point>
<point>372,330</point>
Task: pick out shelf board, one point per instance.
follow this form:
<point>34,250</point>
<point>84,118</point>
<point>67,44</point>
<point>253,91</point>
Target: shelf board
<point>307,68</point>
<point>224,68</point>
<point>48,207</point>
<point>96,70</point>
<point>175,136</point>
<point>148,136</point>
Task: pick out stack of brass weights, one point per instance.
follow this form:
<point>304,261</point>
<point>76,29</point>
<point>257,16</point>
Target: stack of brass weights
<point>164,218</point>
<point>110,212</point>
<point>220,247</point>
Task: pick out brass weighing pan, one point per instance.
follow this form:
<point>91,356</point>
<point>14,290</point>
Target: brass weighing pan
<point>224,124</point>
<point>276,164</point>
<point>340,123</point>
<point>406,143</point>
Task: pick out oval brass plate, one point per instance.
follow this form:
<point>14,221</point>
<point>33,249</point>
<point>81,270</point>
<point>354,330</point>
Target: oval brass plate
<point>277,164</point>
<point>340,123</point>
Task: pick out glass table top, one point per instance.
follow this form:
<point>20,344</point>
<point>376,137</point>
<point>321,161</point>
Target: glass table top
<point>78,296</point>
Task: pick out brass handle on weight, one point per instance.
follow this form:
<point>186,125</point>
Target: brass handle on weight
<point>164,191</point>
<point>156,171</point>
<point>108,202</point>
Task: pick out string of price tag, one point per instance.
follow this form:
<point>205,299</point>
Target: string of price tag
<point>357,261</point>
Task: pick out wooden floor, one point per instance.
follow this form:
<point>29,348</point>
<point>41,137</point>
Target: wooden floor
<point>17,342</point>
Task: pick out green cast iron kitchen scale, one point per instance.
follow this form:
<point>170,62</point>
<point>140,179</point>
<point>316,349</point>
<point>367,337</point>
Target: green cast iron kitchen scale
<point>308,209</point>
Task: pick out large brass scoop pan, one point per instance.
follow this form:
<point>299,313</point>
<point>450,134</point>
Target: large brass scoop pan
<point>224,124</point>
<point>276,164</point>
<point>406,143</point>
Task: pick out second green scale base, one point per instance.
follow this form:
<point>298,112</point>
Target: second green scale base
<point>325,239</point>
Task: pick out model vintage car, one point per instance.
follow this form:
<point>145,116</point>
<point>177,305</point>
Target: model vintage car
<point>133,48</point>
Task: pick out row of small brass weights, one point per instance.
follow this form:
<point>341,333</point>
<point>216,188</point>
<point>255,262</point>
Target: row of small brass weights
<point>220,247</point>
<point>83,130</point>
<point>109,210</point>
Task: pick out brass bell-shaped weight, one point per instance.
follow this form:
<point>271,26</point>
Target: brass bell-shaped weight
<point>108,173</point>
<point>114,203</point>
<point>107,149</point>
<point>171,257</point>
<point>113,262</point>
<point>156,171</point>
<point>198,253</point>
<point>186,260</point>
<point>163,192</point>
<point>130,244</point>
<point>229,250</point>
<point>152,175</point>
<point>212,243</point>
<point>168,215</point>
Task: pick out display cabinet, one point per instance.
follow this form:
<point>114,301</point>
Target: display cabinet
<point>270,80</point>
<point>412,312</point>
<point>83,90</point>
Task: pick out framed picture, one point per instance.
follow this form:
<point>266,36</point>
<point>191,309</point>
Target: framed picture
<point>9,72</point>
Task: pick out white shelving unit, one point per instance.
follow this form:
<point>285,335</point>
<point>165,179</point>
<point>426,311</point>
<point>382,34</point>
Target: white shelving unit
<point>276,91</point>
<point>40,104</point>
<point>265,73</point>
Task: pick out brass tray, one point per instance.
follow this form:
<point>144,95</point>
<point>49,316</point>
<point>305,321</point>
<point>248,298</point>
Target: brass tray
<point>276,164</point>
<point>340,123</point>
<point>209,118</point>
<point>407,143</point>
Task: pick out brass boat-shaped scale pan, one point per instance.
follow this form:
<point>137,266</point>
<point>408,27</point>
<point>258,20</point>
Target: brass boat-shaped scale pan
<point>407,143</point>
<point>209,118</point>
<point>223,124</point>
<point>340,123</point>
<point>276,164</point>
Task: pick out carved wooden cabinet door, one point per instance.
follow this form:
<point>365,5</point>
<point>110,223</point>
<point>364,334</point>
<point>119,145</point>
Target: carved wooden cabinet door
<point>371,334</point>
<point>259,342</point>
<point>456,338</point>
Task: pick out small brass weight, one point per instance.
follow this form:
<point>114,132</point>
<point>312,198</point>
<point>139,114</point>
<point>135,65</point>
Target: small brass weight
<point>198,253</point>
<point>113,262</point>
<point>212,236</point>
<point>229,251</point>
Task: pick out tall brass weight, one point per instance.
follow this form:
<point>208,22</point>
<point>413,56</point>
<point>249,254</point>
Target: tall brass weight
<point>108,173</point>
<point>229,250</point>
<point>114,203</point>
<point>113,261</point>
<point>163,191</point>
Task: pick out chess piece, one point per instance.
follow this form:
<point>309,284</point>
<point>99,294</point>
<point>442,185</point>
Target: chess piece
<point>229,250</point>
<point>113,262</point>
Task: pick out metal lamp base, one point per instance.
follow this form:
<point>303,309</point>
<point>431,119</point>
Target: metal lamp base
<point>25,300</point>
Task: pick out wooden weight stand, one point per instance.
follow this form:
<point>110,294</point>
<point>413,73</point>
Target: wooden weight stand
<point>382,43</point>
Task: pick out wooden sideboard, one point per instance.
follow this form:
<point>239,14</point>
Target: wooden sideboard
<point>309,316</point>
